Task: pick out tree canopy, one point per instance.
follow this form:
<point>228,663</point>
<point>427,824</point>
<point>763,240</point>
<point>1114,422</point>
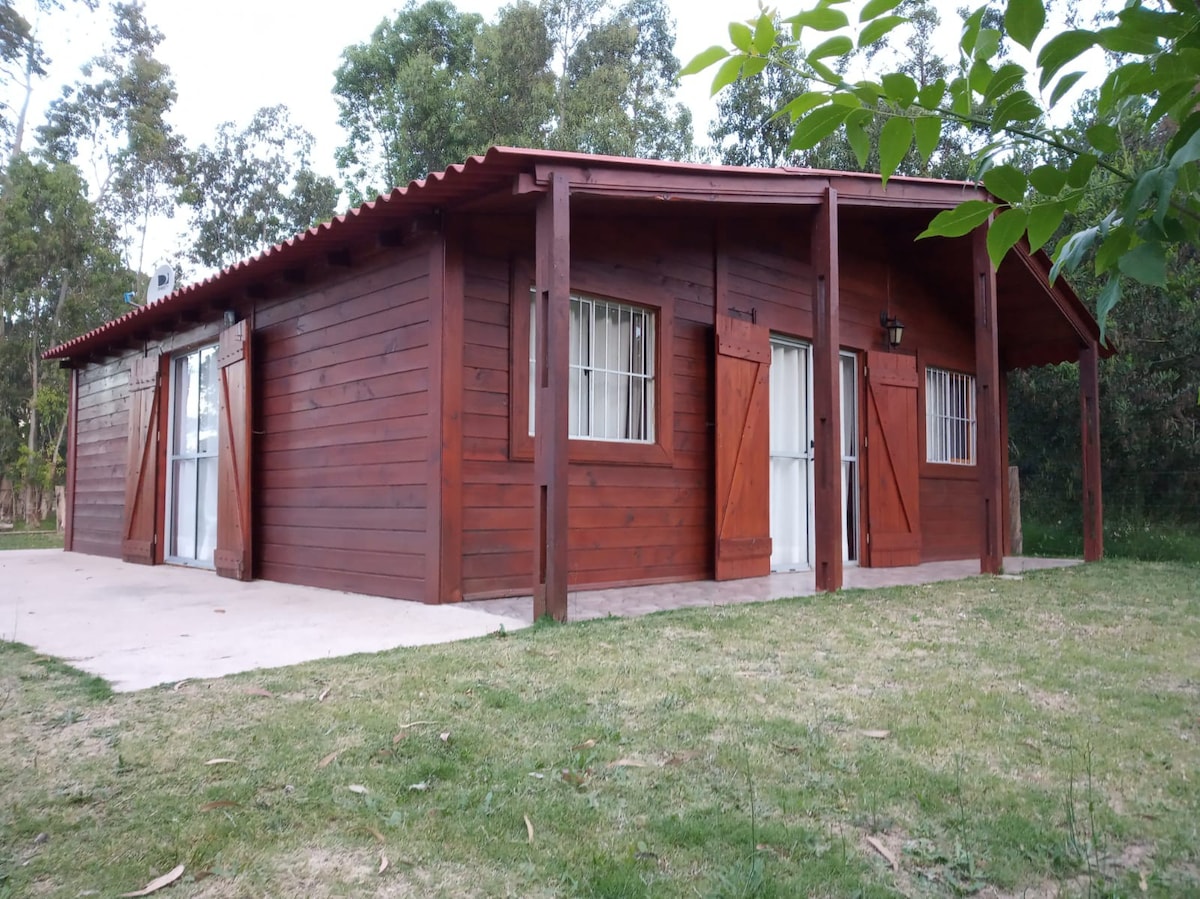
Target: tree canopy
<point>434,85</point>
<point>1155,55</point>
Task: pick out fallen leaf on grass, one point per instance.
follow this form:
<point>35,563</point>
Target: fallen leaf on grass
<point>444,737</point>
<point>883,850</point>
<point>383,863</point>
<point>628,763</point>
<point>179,686</point>
<point>221,762</point>
<point>538,774</point>
<point>414,724</point>
<point>157,884</point>
<point>400,736</point>
<point>572,778</point>
<point>357,788</point>
<point>328,760</point>
<point>259,691</point>
<point>324,693</point>
<point>220,803</point>
<point>792,749</point>
<point>586,744</point>
<point>529,828</point>
<point>374,831</point>
<point>419,787</point>
<point>876,734</point>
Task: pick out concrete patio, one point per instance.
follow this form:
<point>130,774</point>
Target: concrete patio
<point>629,602</point>
<point>138,626</point>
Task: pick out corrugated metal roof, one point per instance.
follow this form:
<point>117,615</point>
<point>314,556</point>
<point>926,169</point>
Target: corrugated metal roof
<point>477,177</point>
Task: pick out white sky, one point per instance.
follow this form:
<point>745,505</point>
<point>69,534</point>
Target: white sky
<point>231,57</point>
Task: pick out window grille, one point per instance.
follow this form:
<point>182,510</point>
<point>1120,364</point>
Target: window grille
<point>949,417</point>
<point>611,371</point>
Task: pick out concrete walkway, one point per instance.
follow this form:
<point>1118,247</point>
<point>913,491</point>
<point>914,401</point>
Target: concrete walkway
<point>629,602</point>
<point>138,626</point>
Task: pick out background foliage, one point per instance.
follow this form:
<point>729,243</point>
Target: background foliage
<point>432,85</point>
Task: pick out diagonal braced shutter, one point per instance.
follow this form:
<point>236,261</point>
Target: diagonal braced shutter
<point>743,450</point>
<point>138,533</point>
<point>893,475</point>
<point>233,556</point>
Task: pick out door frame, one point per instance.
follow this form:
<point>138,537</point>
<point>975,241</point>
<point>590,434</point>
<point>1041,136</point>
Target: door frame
<point>787,340</point>
<point>170,457</point>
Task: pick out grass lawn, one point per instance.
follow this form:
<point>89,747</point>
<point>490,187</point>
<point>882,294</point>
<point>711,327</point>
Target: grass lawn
<point>989,737</point>
<point>46,538</point>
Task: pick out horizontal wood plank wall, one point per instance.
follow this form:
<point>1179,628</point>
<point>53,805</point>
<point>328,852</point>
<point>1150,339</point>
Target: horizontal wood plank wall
<point>102,429</point>
<point>629,523</point>
<point>342,431</point>
<point>939,329</point>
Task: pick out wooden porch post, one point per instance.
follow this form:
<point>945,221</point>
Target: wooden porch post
<point>443,551</point>
<point>987,409</point>
<point>72,460</point>
<point>827,423</point>
<point>552,317</point>
<point>1089,402</point>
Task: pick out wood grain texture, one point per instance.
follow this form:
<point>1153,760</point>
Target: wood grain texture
<point>892,483</point>
<point>343,430</point>
<point>139,531</point>
<point>989,456</point>
<point>742,470</point>
<point>234,555</point>
<point>828,511</point>
<point>551,446</point>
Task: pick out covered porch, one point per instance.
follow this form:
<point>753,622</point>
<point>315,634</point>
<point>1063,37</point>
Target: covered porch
<point>631,602</point>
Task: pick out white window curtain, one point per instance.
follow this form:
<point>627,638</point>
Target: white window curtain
<point>611,376</point>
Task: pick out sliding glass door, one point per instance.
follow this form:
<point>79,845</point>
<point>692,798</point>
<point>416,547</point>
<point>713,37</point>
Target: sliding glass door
<point>192,462</point>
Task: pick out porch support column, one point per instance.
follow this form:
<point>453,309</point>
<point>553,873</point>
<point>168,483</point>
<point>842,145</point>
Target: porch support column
<point>1089,401</point>
<point>443,560</point>
<point>827,423</point>
<point>987,409</point>
<point>552,328</point>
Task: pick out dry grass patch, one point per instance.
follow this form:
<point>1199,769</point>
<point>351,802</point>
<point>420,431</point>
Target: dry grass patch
<point>994,737</point>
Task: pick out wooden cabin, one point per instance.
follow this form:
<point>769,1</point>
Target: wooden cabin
<point>543,371</point>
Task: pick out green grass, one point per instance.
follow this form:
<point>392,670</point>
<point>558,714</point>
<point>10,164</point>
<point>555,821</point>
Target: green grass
<point>1141,541</point>
<point>30,540</point>
<point>1002,737</point>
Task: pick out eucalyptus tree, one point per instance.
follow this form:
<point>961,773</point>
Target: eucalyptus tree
<point>253,187</point>
<point>434,85</point>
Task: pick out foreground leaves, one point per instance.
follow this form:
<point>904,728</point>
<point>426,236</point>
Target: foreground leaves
<point>1158,69</point>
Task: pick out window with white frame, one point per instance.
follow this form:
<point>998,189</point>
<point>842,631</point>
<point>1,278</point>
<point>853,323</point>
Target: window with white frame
<point>949,417</point>
<point>611,370</point>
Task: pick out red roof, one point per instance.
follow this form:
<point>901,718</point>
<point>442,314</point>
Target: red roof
<point>478,177</point>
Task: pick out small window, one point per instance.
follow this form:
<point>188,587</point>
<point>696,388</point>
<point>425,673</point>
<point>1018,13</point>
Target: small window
<point>611,371</point>
<point>949,417</point>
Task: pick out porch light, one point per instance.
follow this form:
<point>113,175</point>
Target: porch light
<point>894,328</point>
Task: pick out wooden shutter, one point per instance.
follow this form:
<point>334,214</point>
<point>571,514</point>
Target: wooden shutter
<point>743,460</point>
<point>893,478</point>
<point>233,554</point>
<point>141,473</point>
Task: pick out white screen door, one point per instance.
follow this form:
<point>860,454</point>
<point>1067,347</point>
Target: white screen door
<point>192,468</point>
<point>791,455</point>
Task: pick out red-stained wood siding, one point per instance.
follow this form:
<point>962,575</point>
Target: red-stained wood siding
<point>629,523</point>
<point>102,434</point>
<point>342,430</point>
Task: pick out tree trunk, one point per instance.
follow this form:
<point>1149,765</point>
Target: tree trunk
<point>30,502</point>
